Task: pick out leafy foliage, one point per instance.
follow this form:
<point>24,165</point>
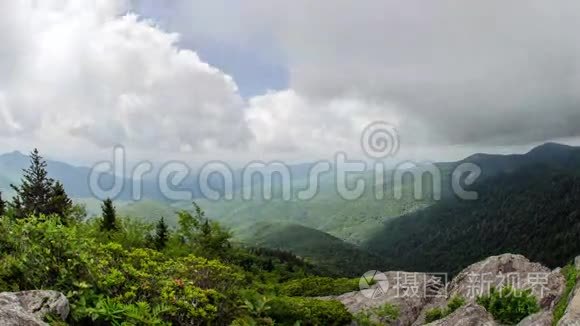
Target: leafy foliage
<point>318,286</point>
<point>383,315</point>
<point>200,235</point>
<point>288,310</point>
<point>571,275</point>
<point>257,307</point>
<point>508,305</point>
<point>437,313</point>
<point>42,253</point>
<point>115,273</point>
<point>111,312</point>
<point>434,314</point>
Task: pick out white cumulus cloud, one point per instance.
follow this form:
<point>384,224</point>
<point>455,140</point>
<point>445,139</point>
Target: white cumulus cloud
<point>89,71</point>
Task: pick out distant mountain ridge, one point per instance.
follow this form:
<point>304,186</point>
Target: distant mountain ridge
<point>76,179</point>
<point>528,204</point>
<point>326,251</point>
<point>550,154</point>
<point>535,193</point>
<point>356,220</point>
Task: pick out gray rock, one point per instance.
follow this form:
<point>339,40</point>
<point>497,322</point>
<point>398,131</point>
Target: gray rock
<point>30,307</point>
<point>469,315</point>
<point>509,269</point>
<point>497,271</point>
<point>577,262</point>
<point>543,318</point>
<point>572,315</point>
<point>440,303</point>
<point>409,292</point>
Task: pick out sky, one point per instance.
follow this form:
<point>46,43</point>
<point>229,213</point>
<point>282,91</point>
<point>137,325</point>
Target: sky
<point>293,80</point>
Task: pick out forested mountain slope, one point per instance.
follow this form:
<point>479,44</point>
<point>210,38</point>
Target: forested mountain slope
<point>534,211</point>
<point>330,253</point>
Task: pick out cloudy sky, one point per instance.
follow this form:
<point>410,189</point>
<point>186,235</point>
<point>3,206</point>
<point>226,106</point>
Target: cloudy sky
<point>285,79</point>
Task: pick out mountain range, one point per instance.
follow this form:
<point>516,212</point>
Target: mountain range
<point>528,203</point>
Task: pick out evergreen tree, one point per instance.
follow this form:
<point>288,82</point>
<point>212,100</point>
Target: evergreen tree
<point>109,221</point>
<point>39,194</point>
<point>2,206</point>
<point>205,237</point>
<point>59,203</point>
<point>161,234</point>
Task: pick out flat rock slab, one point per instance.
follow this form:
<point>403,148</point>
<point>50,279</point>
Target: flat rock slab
<point>30,307</point>
<point>468,315</point>
<point>409,292</point>
<point>572,315</point>
<point>509,270</point>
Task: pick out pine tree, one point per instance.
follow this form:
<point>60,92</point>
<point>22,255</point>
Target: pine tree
<point>2,206</point>
<point>37,193</point>
<point>59,203</point>
<point>109,221</point>
<point>161,234</point>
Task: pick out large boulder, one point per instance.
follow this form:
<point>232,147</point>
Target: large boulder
<point>440,303</point>
<point>469,315</point>
<point>513,270</point>
<point>424,292</point>
<point>543,318</point>
<point>30,307</point>
<point>409,292</point>
<point>572,315</point>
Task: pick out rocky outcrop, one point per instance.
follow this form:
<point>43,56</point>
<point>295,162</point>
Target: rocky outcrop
<point>436,303</point>
<point>468,315</point>
<point>406,291</point>
<point>543,318</point>
<point>474,315</point>
<point>513,270</point>
<point>572,315</point>
<point>30,307</point>
<point>416,293</point>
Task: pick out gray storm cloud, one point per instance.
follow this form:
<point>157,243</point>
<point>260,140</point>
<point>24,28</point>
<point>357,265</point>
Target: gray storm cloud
<point>494,72</point>
<point>488,73</point>
<point>457,72</point>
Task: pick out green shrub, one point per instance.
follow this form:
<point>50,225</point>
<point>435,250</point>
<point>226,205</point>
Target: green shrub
<point>437,313</point>
<point>147,275</point>
<point>455,303</point>
<point>40,253</point>
<point>101,279</point>
<point>317,286</point>
<point>111,312</point>
<point>113,278</point>
<point>387,311</point>
<point>508,305</point>
<point>308,311</point>
<point>382,315</point>
<point>434,314</point>
<point>571,274</point>
<point>256,307</point>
